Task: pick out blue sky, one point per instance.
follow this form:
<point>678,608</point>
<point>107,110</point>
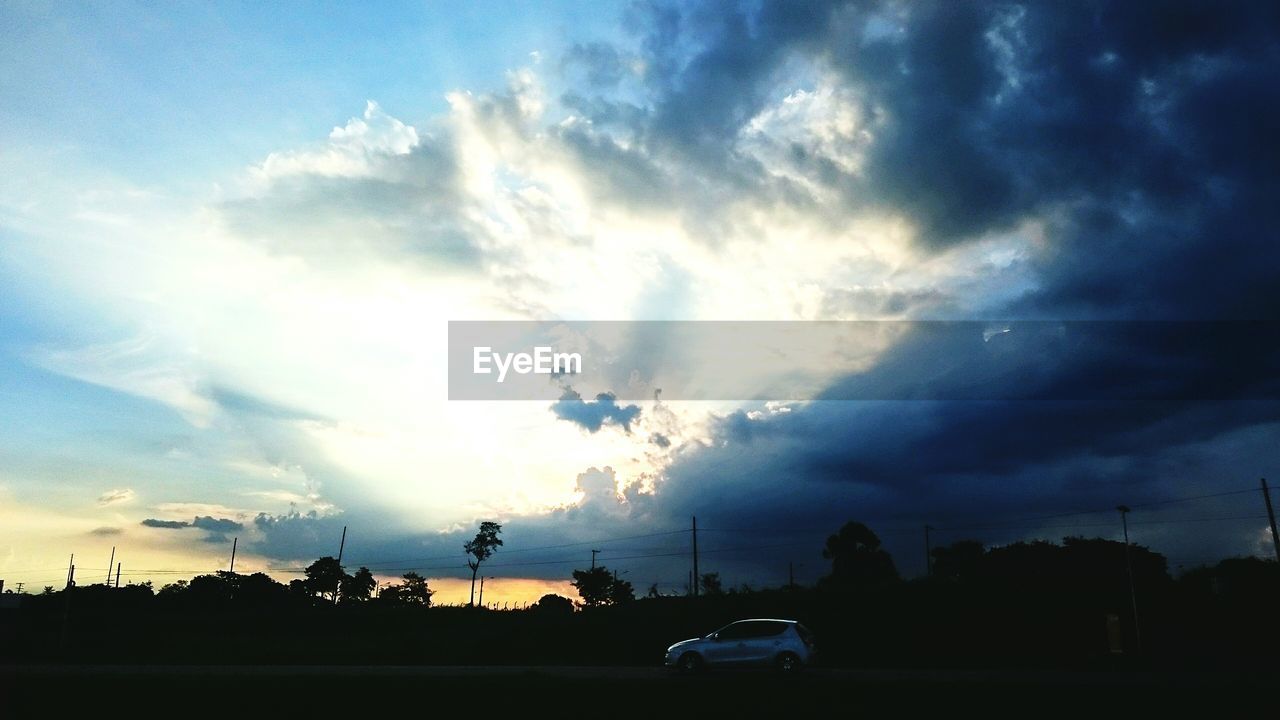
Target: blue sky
<point>232,235</point>
<point>143,88</point>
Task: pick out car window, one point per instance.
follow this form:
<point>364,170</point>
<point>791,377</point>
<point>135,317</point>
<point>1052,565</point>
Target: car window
<point>736,631</point>
<point>748,629</point>
<point>769,629</point>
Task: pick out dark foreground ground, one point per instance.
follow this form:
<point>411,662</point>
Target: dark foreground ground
<point>603,692</point>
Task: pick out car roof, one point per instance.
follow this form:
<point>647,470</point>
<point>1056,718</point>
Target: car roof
<point>789,622</point>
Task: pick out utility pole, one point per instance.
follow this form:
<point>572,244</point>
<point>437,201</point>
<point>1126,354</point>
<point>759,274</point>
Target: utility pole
<point>111,562</point>
<point>71,570</point>
<point>695,556</point>
<point>593,559</point>
<point>117,575</point>
<point>234,542</point>
<point>342,545</point>
<point>481,591</point>
<point>1271,516</point>
<point>928,554</point>
<point>1133,594</point>
<point>19,588</point>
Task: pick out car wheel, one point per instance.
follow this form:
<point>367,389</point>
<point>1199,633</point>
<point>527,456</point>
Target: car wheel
<point>788,663</point>
<point>690,663</point>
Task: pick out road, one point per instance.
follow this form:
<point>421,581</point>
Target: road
<point>634,690</point>
<point>646,674</point>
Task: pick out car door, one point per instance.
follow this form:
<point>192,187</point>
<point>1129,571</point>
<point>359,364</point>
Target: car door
<point>730,644</point>
<point>764,642</point>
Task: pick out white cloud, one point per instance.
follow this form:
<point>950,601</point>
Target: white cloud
<point>197,303</point>
<point>116,496</point>
<point>353,150</point>
<point>135,366</point>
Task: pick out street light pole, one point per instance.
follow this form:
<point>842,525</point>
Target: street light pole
<point>1133,594</point>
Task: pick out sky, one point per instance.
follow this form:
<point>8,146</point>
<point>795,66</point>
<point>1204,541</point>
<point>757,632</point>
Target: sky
<point>232,237</point>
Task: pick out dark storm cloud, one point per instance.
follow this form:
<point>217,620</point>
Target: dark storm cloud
<point>1143,134</point>
<point>299,535</point>
<point>1143,137</point>
<point>216,529</point>
<point>166,524</point>
<point>591,415</point>
<point>218,525</point>
<point>601,63</point>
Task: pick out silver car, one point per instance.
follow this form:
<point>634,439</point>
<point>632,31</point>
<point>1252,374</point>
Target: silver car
<point>784,644</point>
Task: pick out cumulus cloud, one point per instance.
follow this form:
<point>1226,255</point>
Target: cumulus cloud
<point>106,531</point>
<point>376,189</point>
<point>353,150</point>
<point>598,485</point>
<point>213,524</point>
<point>116,496</point>
<point>591,415</point>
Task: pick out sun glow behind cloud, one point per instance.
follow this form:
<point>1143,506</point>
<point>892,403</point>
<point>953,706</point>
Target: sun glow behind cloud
<point>269,341</point>
<point>338,333</point>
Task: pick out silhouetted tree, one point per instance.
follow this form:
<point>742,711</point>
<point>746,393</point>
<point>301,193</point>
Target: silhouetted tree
<point>173,589</point>
<point>481,548</point>
<point>857,559</point>
<point>413,591</point>
<point>212,589</point>
<point>958,561</point>
<point>1236,579</point>
<point>324,577</point>
<point>259,590</point>
<point>358,586</point>
<point>709,583</point>
<point>593,585</point>
<point>653,591</point>
<point>598,586</point>
<point>620,591</point>
<point>552,604</point>
<point>299,588</point>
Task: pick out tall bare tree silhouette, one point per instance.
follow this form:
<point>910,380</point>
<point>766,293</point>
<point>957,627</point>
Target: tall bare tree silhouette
<point>481,548</point>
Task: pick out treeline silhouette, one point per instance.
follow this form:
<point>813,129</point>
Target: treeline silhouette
<point>1028,603</point>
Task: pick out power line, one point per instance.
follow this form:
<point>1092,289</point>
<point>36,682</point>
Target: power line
<point>1011,523</point>
<point>1056,516</point>
<point>373,565</point>
<point>1099,524</point>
